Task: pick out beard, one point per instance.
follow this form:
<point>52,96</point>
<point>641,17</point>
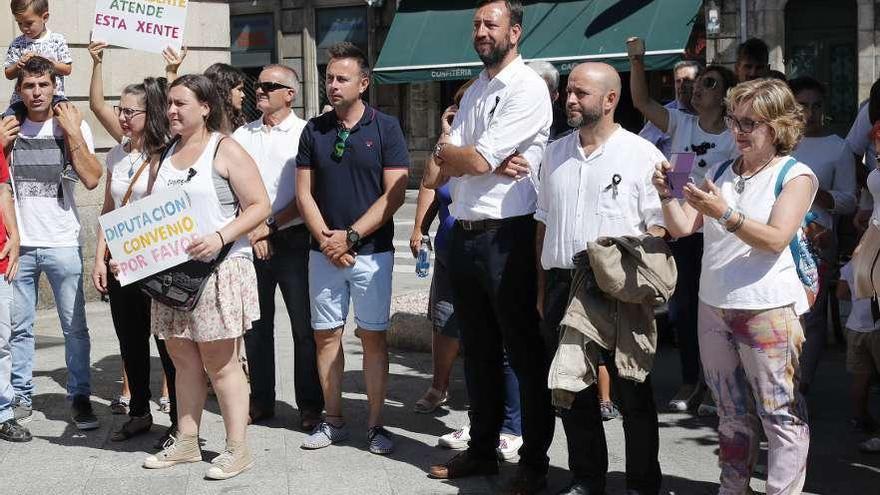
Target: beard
<point>495,55</point>
<point>586,117</point>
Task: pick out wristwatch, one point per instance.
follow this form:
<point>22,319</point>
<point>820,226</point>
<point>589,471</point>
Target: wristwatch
<point>437,149</point>
<point>270,222</point>
<point>352,236</point>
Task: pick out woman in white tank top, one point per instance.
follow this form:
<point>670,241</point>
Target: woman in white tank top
<point>750,294</point>
<point>218,173</point>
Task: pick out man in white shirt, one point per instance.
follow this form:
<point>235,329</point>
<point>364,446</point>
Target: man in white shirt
<point>492,154</point>
<point>281,250</point>
<point>53,150</point>
<point>597,183</point>
<point>684,74</point>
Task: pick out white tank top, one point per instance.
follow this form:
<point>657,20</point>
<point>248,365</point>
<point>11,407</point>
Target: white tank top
<point>205,187</point>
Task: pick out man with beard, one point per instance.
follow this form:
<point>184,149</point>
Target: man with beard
<point>492,154</point>
<point>596,182</point>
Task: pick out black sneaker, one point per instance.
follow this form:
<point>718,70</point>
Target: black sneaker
<point>169,435</point>
<point>23,413</point>
<point>11,431</point>
<point>81,413</point>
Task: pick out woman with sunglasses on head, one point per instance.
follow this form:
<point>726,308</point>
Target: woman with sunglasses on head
<point>705,135</point>
<point>220,176</point>
<point>139,124</point>
<point>229,84</point>
<point>751,293</point>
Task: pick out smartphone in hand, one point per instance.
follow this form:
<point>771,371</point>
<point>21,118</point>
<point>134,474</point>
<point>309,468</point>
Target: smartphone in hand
<point>680,175</point>
<point>635,46</point>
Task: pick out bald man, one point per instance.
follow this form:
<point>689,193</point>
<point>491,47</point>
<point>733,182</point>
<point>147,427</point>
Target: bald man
<point>596,182</point>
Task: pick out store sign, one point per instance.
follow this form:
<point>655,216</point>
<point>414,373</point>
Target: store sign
<point>148,25</point>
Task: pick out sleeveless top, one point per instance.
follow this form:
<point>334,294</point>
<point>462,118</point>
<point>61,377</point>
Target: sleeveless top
<point>207,188</point>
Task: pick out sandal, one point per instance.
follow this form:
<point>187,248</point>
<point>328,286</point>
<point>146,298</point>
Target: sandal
<point>119,405</point>
<point>429,402</point>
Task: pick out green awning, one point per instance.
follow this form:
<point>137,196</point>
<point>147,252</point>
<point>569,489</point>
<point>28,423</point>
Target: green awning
<point>431,40</point>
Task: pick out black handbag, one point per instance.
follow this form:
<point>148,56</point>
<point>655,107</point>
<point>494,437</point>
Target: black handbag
<point>181,286</point>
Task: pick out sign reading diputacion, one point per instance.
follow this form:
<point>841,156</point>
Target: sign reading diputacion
<point>152,234</point>
<point>149,25</point>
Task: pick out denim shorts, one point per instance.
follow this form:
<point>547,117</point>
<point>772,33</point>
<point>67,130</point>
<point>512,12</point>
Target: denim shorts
<point>367,285</point>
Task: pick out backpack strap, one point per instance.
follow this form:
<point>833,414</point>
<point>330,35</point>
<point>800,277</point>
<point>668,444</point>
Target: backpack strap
<point>780,179</point>
<point>720,170</point>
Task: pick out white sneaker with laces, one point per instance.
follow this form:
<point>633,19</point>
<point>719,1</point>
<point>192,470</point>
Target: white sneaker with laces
<point>508,446</point>
<point>458,439</point>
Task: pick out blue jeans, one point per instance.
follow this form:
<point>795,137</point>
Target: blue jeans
<point>6,393</point>
<point>63,268</point>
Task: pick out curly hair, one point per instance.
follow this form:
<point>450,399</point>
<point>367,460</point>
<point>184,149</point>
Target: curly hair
<point>226,77</point>
<point>774,103</point>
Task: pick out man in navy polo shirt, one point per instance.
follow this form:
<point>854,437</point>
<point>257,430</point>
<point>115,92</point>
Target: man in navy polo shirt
<point>351,177</point>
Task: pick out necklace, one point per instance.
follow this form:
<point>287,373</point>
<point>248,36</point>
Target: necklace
<point>739,183</point>
<point>137,159</point>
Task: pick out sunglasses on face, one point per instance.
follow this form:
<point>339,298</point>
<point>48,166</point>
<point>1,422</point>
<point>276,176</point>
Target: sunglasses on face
<point>341,137</point>
<point>268,87</point>
<point>709,82</point>
<point>128,113</point>
<point>745,126</point>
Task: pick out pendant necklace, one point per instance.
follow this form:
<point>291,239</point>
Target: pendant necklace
<point>131,163</point>
<point>739,183</point>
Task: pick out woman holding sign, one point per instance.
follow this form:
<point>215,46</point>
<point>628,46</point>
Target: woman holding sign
<point>222,179</point>
<point>139,124</point>
<point>752,287</point>
<point>700,140</point>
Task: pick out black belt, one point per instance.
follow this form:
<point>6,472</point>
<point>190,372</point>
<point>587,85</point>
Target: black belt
<point>489,223</point>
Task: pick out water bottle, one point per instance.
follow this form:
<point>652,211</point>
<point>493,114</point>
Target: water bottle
<point>423,262</point>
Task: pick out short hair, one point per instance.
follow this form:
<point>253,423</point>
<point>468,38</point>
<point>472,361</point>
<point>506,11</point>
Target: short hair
<point>36,66</point>
<point>777,74</point>
<point>347,49</point>
<point>206,93</point>
<point>804,83</point>
<point>754,49</point>
<point>773,102</point>
<point>514,7</point>
<point>292,76</point>
<point>39,7</point>
<point>688,64</point>
<point>548,73</point>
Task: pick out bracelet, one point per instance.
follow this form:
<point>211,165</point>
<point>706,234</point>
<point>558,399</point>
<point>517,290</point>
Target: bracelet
<point>222,241</point>
<point>666,199</point>
<point>739,223</point>
<point>72,150</point>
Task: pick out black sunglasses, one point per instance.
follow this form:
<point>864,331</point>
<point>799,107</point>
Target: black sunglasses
<point>341,137</point>
<point>268,87</point>
<point>709,82</point>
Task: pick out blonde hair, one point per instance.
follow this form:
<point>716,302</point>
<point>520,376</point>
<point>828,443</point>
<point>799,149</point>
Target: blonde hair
<point>774,103</point>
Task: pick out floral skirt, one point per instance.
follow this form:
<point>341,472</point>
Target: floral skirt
<point>228,307</point>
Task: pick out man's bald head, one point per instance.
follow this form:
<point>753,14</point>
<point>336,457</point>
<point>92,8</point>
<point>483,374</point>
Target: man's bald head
<point>598,73</point>
<point>593,93</point>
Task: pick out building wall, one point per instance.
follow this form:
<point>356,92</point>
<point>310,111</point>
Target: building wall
<point>206,35</point>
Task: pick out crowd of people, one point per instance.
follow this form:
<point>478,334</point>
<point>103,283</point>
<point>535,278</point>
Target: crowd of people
<point>555,245</point>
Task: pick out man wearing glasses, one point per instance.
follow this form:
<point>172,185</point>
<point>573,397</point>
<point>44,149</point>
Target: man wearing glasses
<point>281,250</point>
<point>351,178</point>
<point>50,138</point>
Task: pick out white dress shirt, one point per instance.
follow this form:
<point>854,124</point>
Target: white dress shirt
<point>577,202</point>
<point>274,149</point>
<point>508,113</point>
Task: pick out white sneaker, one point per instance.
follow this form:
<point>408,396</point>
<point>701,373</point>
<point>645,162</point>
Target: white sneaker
<point>870,446</point>
<point>508,446</point>
<point>458,439</point>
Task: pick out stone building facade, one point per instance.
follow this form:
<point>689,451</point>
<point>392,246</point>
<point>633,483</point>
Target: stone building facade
<point>206,35</point>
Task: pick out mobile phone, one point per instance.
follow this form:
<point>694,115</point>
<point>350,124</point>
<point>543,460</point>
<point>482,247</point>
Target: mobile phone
<point>635,46</point>
<point>680,175</point>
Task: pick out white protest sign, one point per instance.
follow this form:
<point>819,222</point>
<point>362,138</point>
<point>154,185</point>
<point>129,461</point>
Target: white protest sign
<point>151,235</point>
<point>148,25</point>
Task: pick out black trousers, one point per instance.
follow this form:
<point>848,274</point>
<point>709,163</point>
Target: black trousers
<point>688,254</point>
<point>130,310</point>
<point>288,269</point>
<point>585,435</point>
<point>493,279</point>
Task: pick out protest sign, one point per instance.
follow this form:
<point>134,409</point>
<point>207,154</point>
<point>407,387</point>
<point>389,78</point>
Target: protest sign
<point>148,25</point>
<point>152,234</point>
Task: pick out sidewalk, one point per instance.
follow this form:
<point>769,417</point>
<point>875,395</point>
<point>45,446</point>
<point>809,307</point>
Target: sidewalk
<point>62,459</point>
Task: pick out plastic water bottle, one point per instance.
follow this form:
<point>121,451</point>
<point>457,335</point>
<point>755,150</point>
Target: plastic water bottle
<point>423,262</point>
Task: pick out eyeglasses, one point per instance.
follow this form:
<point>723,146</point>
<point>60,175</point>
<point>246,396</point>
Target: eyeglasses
<point>341,137</point>
<point>268,86</point>
<point>128,113</point>
<point>745,126</point>
<point>709,82</point>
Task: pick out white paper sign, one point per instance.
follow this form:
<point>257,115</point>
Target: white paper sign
<point>151,235</point>
<point>148,25</point>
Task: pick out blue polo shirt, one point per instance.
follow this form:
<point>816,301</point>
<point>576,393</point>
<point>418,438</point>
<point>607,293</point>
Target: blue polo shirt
<point>346,187</point>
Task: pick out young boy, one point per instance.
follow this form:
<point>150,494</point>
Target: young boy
<point>862,350</point>
<point>36,39</point>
